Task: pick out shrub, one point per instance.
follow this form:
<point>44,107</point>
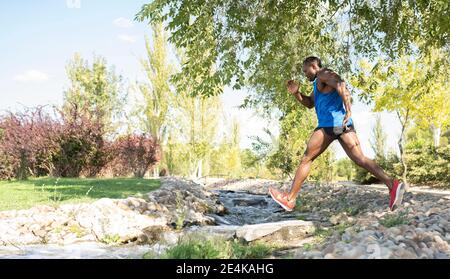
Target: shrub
<point>82,147</point>
<point>428,164</point>
<point>134,154</point>
<point>28,143</point>
<point>32,143</point>
<point>391,165</point>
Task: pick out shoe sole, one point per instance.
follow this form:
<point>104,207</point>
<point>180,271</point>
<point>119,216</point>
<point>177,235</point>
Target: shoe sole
<point>282,205</point>
<point>398,196</point>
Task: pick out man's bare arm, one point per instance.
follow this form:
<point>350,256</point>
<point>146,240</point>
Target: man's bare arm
<point>334,80</point>
<point>307,101</point>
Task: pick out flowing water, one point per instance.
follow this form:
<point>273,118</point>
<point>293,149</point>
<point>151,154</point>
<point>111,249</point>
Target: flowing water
<point>243,208</point>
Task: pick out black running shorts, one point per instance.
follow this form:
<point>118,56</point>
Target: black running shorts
<point>336,132</point>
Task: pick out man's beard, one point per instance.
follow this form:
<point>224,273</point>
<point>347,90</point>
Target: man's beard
<point>313,78</point>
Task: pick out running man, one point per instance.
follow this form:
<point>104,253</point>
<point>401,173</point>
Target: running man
<point>331,100</point>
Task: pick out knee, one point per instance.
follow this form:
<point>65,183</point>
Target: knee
<point>307,158</point>
<point>361,161</point>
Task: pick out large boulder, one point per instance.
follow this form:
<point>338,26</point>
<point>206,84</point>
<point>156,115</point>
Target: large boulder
<point>277,231</point>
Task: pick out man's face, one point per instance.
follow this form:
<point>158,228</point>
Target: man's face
<point>310,70</point>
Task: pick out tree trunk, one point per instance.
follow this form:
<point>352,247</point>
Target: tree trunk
<point>436,135</point>
<point>199,169</point>
<point>401,141</point>
<point>156,171</point>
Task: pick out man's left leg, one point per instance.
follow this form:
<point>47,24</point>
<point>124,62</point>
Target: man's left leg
<point>349,141</point>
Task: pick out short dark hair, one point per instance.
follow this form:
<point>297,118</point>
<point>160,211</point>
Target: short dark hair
<point>312,59</point>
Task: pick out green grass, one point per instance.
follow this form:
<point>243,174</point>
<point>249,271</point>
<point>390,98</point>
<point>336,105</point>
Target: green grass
<point>394,220</point>
<point>25,194</point>
<point>189,247</point>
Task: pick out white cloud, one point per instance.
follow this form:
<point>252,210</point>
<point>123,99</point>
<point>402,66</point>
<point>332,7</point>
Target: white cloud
<point>127,38</point>
<point>123,22</point>
<point>31,76</point>
<point>73,4</point>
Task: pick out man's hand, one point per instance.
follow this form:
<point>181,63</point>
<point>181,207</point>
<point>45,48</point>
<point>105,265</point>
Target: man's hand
<point>292,87</point>
<point>348,114</point>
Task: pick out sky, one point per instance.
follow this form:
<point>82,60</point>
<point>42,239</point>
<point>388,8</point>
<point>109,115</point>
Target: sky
<point>38,38</point>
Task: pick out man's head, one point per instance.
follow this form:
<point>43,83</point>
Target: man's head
<point>311,65</point>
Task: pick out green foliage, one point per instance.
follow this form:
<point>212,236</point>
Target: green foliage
<point>428,164</point>
<point>344,168</point>
<point>157,96</point>
<point>228,43</point>
<point>295,132</point>
<point>379,139</point>
<point>195,247</point>
<point>258,43</point>
<point>391,165</point>
<point>111,239</point>
<point>394,220</point>
<point>393,26</point>
<point>411,87</point>
<point>95,88</point>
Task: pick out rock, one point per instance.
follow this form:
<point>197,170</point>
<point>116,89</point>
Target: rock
<point>338,219</point>
<point>347,237</point>
<point>278,230</point>
<point>432,211</point>
<point>353,253</point>
<point>404,254</point>
<point>226,232</point>
<point>249,202</point>
<point>435,227</point>
<point>104,218</point>
<point>40,233</point>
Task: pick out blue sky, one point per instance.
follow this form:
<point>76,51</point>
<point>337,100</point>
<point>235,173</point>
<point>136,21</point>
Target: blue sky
<point>38,38</point>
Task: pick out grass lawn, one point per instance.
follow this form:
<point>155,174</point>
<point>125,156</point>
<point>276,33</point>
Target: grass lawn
<point>52,191</point>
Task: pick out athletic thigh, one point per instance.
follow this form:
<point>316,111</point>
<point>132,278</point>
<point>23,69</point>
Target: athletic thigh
<point>351,145</point>
<point>318,143</point>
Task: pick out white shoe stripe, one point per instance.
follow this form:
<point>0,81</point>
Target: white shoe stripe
<point>398,195</point>
<point>282,205</point>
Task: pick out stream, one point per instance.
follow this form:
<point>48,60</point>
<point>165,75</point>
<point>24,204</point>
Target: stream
<point>243,208</point>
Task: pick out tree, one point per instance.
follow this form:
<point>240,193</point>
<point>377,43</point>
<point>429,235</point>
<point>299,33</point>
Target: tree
<point>434,111</point>
<point>378,143</point>
<point>231,157</point>
<point>96,89</point>
<point>408,87</point>
<point>243,38</point>
<point>260,44</point>
<point>200,118</point>
<point>194,122</point>
<point>153,112</point>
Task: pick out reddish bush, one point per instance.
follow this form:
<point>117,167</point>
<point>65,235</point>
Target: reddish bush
<point>33,143</point>
<point>28,141</point>
<point>134,154</point>
<point>82,145</point>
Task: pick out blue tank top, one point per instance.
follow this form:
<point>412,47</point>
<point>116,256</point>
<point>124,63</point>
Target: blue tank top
<point>330,108</point>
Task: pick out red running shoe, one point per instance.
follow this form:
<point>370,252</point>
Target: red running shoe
<point>396,194</point>
<point>282,199</point>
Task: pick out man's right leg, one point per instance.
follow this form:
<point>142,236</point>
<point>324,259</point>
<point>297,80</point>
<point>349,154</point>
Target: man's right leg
<point>317,144</point>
